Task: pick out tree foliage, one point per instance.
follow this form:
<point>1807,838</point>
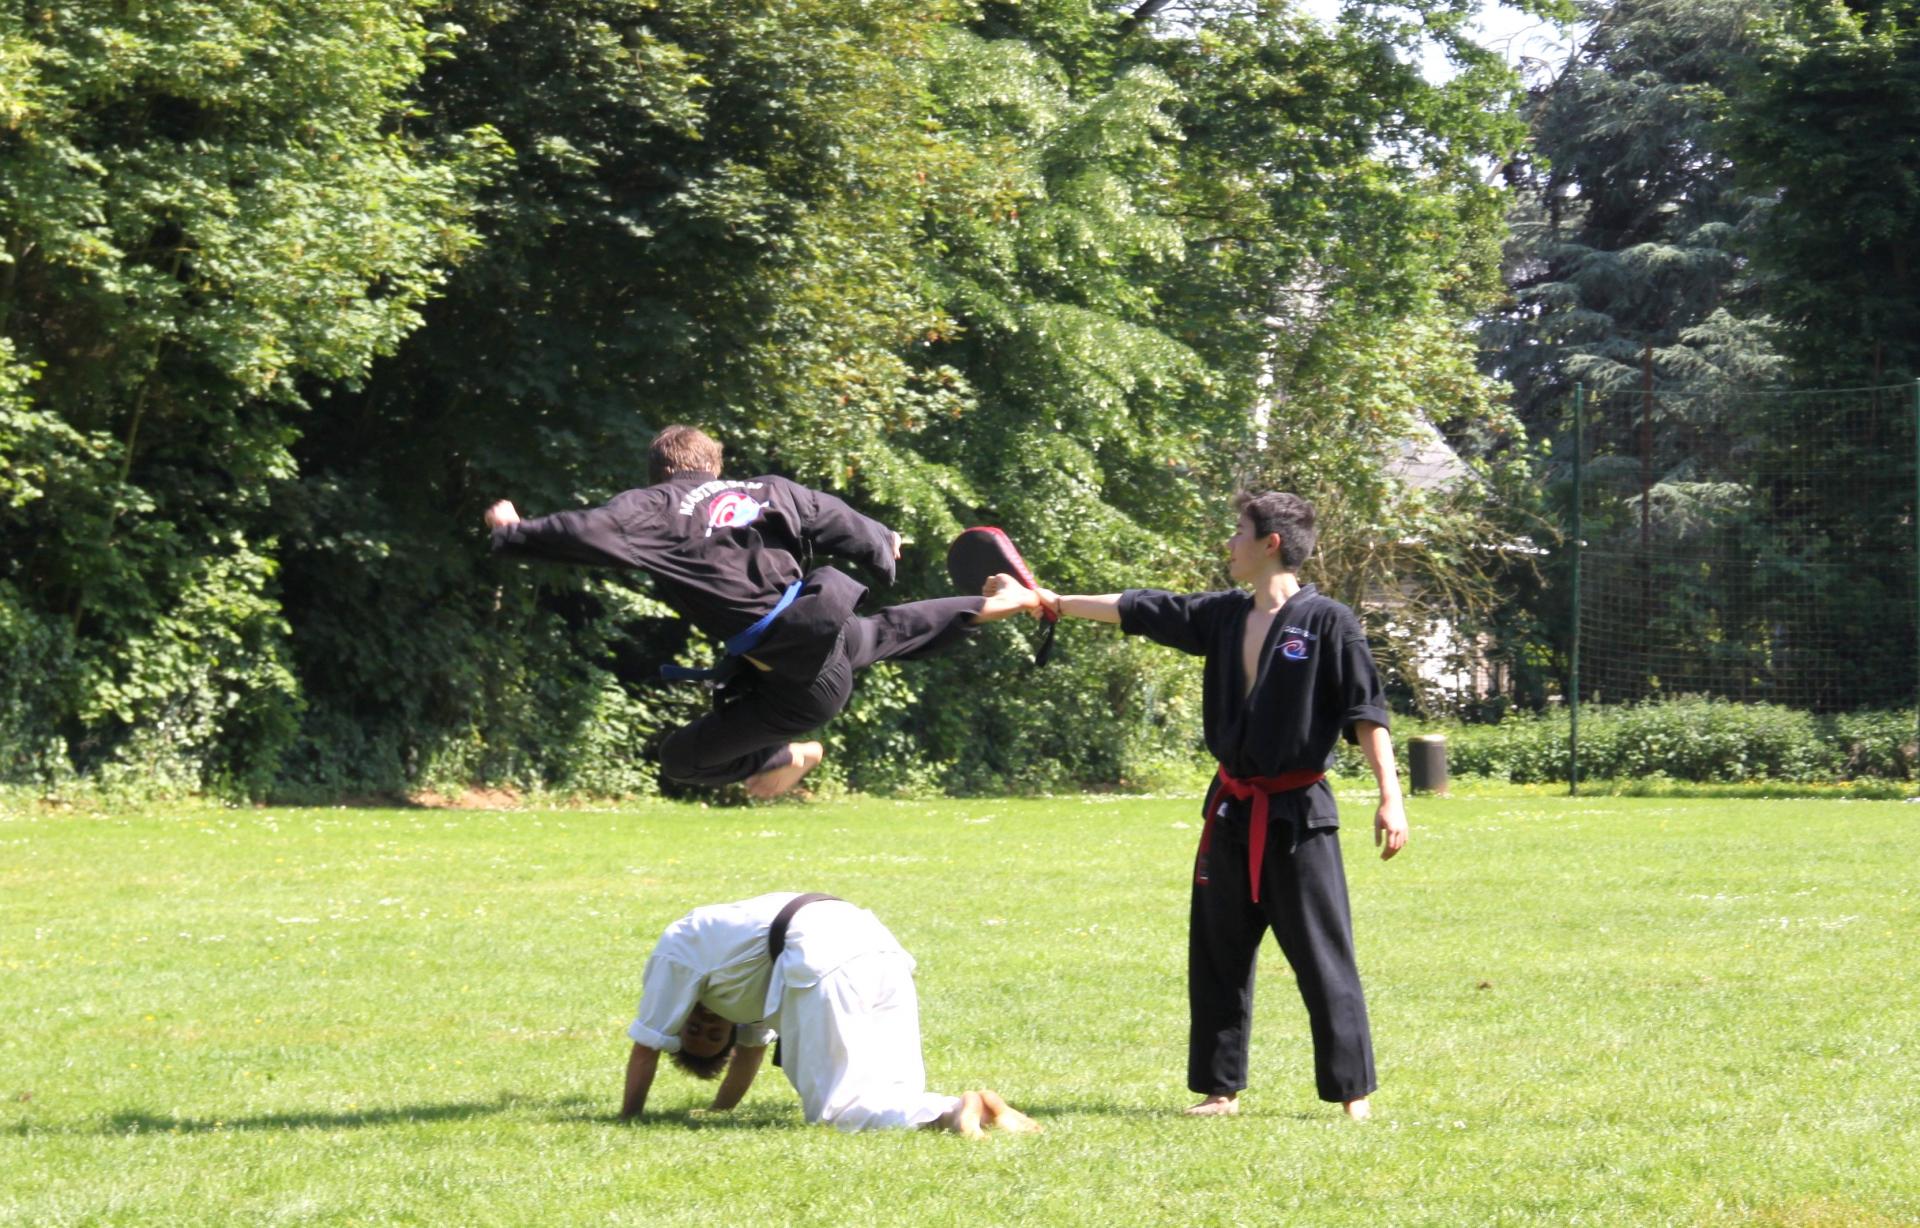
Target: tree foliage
<point>205,206</point>
<point>1713,207</point>
<point>1827,124</point>
<point>292,291</point>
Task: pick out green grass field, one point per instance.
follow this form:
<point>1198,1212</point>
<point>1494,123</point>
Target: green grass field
<point>1614,1011</point>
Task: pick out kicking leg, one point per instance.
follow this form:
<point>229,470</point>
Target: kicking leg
<point>912,630</point>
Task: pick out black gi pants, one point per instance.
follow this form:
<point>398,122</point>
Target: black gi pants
<point>1303,899</point>
<point>760,713</point>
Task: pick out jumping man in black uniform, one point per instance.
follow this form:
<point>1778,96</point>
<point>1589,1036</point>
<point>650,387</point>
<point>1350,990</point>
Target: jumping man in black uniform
<point>725,554</point>
<point>1287,672</point>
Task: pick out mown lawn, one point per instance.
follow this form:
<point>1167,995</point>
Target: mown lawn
<point>1609,1011</point>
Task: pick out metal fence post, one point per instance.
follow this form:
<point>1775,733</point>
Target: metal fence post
<point>1573,672</point>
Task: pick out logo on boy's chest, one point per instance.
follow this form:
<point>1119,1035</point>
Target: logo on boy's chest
<point>1296,643</point>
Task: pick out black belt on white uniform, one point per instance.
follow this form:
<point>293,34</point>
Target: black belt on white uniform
<point>777,937</point>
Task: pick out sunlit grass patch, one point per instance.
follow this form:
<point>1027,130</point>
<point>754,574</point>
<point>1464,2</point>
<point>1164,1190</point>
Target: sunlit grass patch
<point>1587,1011</point>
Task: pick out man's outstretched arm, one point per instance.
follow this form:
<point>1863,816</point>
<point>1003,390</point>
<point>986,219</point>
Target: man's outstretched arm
<point>591,535</point>
<point>641,1065</point>
<point>836,528</point>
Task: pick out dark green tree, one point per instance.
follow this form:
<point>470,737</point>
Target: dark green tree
<point>1625,265</point>
<point>1626,275</point>
<point>1330,295</point>
<point>202,209</point>
<point>1826,125</point>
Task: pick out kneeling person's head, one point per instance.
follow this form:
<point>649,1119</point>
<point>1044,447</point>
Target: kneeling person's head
<point>706,1042</point>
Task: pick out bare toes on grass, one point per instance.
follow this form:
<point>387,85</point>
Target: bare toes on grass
<point>1004,1116</point>
<point>1216,1106</point>
<point>967,1118</point>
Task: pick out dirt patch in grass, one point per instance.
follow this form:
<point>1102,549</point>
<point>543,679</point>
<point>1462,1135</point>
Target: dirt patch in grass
<point>467,799</point>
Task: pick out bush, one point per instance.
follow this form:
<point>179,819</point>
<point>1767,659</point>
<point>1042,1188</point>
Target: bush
<point>1690,739</point>
<point>36,655</point>
<point>982,719</point>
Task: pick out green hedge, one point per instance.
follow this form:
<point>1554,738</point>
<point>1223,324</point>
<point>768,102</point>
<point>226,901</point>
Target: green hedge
<point>1689,739</point>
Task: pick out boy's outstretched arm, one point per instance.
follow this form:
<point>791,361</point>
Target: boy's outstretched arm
<point>1105,608</point>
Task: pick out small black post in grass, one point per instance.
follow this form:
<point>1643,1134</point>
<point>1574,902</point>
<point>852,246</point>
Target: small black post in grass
<point>1916,576</point>
<point>1427,763</point>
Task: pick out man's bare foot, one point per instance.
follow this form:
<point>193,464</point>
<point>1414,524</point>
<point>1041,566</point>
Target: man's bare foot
<point>1216,1106</point>
<point>1358,1110</point>
<point>1004,597</point>
<point>803,757</point>
<point>964,1118</point>
<point>1004,1116</point>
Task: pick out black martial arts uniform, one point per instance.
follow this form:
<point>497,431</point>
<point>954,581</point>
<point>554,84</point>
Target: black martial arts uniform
<point>1270,848</point>
<point>723,553</point>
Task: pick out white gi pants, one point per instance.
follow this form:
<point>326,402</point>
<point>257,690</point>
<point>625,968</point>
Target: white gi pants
<point>849,1023</point>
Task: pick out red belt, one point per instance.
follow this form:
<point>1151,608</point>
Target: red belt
<point>1257,789</point>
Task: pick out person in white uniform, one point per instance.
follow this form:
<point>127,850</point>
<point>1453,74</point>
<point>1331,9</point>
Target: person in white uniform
<point>831,982</point>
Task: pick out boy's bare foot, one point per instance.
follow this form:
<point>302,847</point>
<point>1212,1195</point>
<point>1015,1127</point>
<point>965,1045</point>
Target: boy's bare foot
<point>964,1118</point>
<point>1216,1106</point>
<point>802,757</point>
<point>1004,597</point>
<point>1358,1110</point>
<point>1004,1116</point>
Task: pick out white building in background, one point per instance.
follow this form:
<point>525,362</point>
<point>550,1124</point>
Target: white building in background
<point>1454,667</point>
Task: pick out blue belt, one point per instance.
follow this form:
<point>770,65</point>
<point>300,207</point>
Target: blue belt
<point>737,645</point>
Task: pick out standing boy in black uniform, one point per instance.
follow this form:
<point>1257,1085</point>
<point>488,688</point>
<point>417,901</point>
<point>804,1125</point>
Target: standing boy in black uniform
<point>725,554</point>
<point>1287,672</point>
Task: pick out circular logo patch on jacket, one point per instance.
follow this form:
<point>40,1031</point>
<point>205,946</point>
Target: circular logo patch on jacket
<point>1294,650</point>
<point>730,511</point>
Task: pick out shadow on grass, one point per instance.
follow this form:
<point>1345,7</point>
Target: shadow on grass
<point>759,1117</point>
<point>1172,1111</point>
<point>564,1110</point>
<point>135,1121</point>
